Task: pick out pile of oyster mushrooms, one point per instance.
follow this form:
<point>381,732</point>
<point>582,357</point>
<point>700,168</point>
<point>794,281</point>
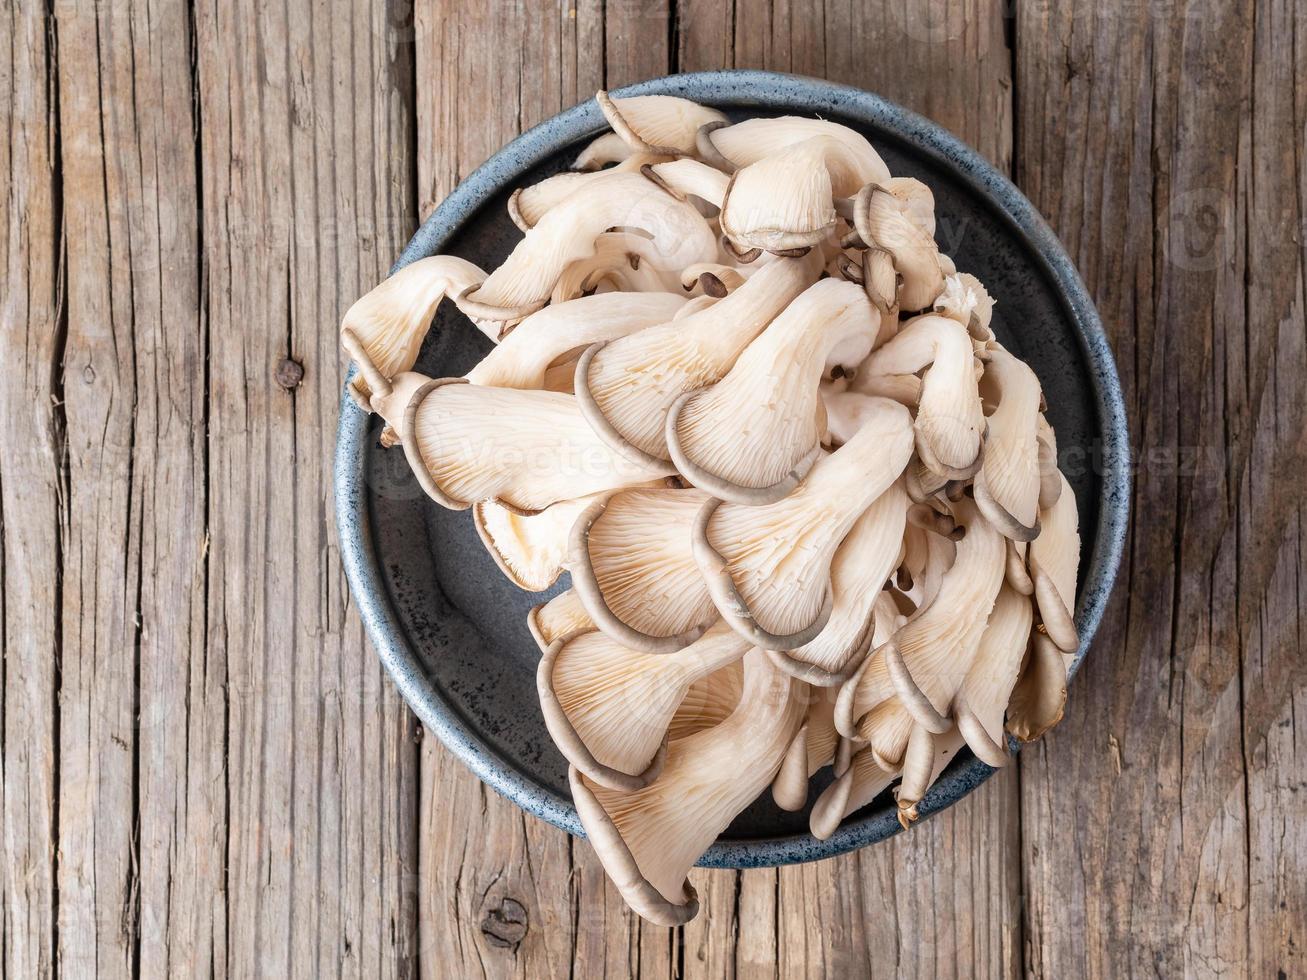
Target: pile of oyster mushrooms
<point>810,505</point>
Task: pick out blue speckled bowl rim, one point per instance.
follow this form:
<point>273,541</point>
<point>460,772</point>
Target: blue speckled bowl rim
<point>737,89</point>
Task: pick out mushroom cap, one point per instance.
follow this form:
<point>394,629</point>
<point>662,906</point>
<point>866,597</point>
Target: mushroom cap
<point>602,150</point>
<point>751,437</point>
<point>657,123</point>
<point>568,230</point>
<point>648,840</point>
<point>384,329</point>
<point>608,708</point>
<point>627,386</point>
<point>885,221</point>
<point>814,745</point>
<point>767,568</point>
<point>787,200</point>
<point>928,658</point>
<point>523,358</point>
<point>1007,483</point>
<point>1054,562</point>
<point>527,449</point>
<point>863,562</point>
<point>747,142</point>
<point>950,421</point>
<point>633,566</point>
<point>982,699</point>
<point>560,618</point>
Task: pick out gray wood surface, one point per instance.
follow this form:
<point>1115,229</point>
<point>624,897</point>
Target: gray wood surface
<point>205,771</point>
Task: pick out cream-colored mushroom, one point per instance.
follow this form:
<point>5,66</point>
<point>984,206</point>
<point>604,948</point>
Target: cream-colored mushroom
<point>916,200</point>
<point>745,143</point>
<point>714,278</point>
<point>622,261</point>
<point>657,123</point>
<point>633,566</point>
<point>767,568</point>
<point>1007,483</point>
<point>865,779</point>
<point>752,436</point>
<point>601,151</point>
<point>690,177</point>
<point>567,232</point>
<point>626,386</point>
<point>608,707</point>
<point>526,449</point>
<point>561,617</point>
<point>787,201</point>
<point>708,702</point>
<point>648,840</point>
<point>966,300</point>
<point>530,549</point>
<point>950,421</point>
<point>816,745</point>
<point>1054,562</point>
<point>925,662</point>
<point>384,329</point>
<point>1050,477</point>
<point>527,205</point>
<point>863,562</point>
<point>884,221</point>
<point>524,357</point>
<point>981,701</point>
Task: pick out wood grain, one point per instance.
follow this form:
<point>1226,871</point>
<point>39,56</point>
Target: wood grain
<point>305,139</point>
<point>1176,768</point>
<point>33,502</point>
<point>204,768</point>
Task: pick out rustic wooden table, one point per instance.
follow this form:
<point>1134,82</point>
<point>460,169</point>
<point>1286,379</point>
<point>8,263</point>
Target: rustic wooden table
<point>205,771</point>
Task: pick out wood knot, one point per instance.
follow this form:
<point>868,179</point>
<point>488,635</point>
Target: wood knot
<point>289,373</point>
<point>505,925</point>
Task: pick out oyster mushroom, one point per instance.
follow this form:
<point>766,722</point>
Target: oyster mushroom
<point>526,449</point>
<point>524,357</point>
<point>816,745</point>
<point>950,421</point>
<point>1054,562</point>
<point>884,221</point>
<point>647,840</point>
<point>708,702</point>
<point>1007,483</point>
<point>745,143</point>
<point>634,569</point>
<point>527,205</point>
<point>622,261</point>
<point>865,779</point>
<point>981,701</point>
<point>767,568</point>
<point>1050,477</point>
<point>692,178</point>
<point>608,708</point>
<point>716,280</point>
<point>383,331</point>
<point>1039,696</point>
<point>530,549</point>
<point>567,232</point>
<point>657,123</point>
<point>561,617</point>
<point>752,436</point>
<point>965,299</point>
<point>601,151</point>
<point>925,662</point>
<point>626,386</point>
<point>863,562</point>
<point>787,201</point>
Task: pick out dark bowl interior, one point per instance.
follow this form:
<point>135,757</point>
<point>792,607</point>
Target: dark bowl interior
<point>464,625</point>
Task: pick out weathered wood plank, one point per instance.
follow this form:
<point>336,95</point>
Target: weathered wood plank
<point>942,900</point>
<point>306,140</point>
<point>503,894</point>
<point>33,510</point>
<point>1172,771</point>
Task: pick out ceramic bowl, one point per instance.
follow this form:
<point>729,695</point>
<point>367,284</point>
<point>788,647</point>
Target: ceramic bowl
<point>452,631</point>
